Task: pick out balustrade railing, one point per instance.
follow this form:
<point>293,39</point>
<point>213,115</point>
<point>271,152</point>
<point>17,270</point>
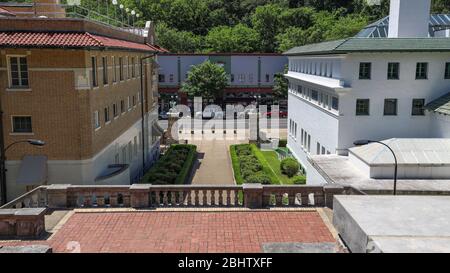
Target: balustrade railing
<point>175,196</point>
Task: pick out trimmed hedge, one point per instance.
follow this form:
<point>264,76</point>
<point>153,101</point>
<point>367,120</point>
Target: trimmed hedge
<point>282,143</point>
<point>250,166</point>
<point>289,167</point>
<point>174,167</point>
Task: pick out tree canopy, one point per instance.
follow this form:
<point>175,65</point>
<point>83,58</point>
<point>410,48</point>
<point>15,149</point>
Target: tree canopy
<point>203,26</point>
<point>207,80</point>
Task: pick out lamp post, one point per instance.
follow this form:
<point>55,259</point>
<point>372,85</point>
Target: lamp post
<point>365,142</point>
<point>133,13</point>
<point>257,97</point>
<point>121,13</point>
<point>34,142</point>
<point>114,2</point>
<point>128,15</point>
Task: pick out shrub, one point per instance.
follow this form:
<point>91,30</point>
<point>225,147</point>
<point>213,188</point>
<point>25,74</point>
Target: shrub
<point>259,179</point>
<point>299,180</point>
<point>289,167</point>
<point>174,167</point>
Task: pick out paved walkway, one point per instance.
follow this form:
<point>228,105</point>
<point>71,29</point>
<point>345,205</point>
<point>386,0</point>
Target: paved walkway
<point>192,232</point>
<point>214,164</point>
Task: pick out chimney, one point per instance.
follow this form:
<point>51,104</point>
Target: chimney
<point>409,18</point>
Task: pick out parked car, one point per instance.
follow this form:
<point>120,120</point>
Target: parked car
<point>282,114</point>
<point>245,113</point>
<point>163,116</point>
<point>210,113</point>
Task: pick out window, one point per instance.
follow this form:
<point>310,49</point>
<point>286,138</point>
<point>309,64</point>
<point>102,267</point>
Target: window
<point>130,151</point>
<point>133,68</point>
<point>315,95</point>
<point>302,137</point>
<point>390,107</point>
<point>121,69</point>
<point>365,71</point>
<point>323,150</point>
<point>134,100</point>
<point>393,71</point>
<point>128,103</point>
<point>318,148</point>
<point>250,77</point>
<point>122,106</point>
<point>128,67</point>
<point>362,107</point>
<point>162,78</point>
<point>309,143</point>
<point>124,155</point>
<point>335,103</point>
<point>418,107</point>
<point>171,78</point>
<point>135,146</point>
<point>94,71</point>
<point>18,69</point>
<point>96,120</point>
<point>115,112</point>
<point>114,69</point>
<point>267,78</point>
<point>447,71</point>
<point>232,77</point>
<point>22,125</point>
<point>105,70</point>
<point>295,130</point>
<point>422,71</point>
<point>107,117</point>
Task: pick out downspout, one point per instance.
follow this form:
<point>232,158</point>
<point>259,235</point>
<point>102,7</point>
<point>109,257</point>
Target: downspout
<point>142,108</point>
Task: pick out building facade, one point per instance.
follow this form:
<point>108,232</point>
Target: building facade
<point>80,87</point>
<point>249,75</point>
<point>368,88</point>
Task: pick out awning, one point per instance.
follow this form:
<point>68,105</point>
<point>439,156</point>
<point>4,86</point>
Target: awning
<point>33,170</point>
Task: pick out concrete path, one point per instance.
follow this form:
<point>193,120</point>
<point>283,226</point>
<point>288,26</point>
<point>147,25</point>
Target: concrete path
<point>214,164</point>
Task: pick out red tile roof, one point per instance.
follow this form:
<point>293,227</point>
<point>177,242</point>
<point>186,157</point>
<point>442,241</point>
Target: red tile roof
<point>60,39</point>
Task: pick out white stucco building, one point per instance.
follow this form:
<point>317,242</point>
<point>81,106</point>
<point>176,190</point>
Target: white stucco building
<point>249,74</point>
<point>390,81</point>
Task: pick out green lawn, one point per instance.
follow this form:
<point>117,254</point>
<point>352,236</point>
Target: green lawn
<point>272,158</point>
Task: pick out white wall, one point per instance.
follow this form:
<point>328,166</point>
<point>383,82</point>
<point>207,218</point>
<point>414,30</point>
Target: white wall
<point>168,66</point>
<point>440,125</point>
<point>338,132</point>
<point>380,127</point>
<point>272,65</point>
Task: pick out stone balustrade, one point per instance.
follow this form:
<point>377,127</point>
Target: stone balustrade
<point>156,196</point>
<point>24,216</point>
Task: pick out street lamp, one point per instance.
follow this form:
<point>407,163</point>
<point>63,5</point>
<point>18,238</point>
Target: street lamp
<point>114,2</point>
<point>121,6</point>
<point>365,142</point>
<point>133,13</point>
<point>257,97</point>
<point>34,142</point>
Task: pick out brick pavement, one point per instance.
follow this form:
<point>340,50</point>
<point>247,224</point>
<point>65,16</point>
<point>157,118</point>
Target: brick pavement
<point>192,232</point>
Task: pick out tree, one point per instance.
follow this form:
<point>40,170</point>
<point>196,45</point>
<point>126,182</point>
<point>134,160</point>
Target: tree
<point>232,39</point>
<point>206,80</point>
<point>266,21</point>
<point>281,85</point>
<point>177,41</point>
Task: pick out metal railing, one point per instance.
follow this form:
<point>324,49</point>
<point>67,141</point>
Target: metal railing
<point>64,10</point>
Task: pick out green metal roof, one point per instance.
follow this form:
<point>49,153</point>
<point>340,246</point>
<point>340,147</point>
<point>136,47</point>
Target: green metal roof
<point>373,45</point>
<point>440,105</point>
